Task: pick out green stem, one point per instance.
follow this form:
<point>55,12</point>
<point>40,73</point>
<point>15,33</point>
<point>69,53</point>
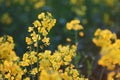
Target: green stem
<point>3,76</point>
<point>37,60</point>
<point>76,40</point>
<point>101,75</point>
<point>31,69</point>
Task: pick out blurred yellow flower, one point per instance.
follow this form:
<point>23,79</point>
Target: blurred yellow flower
<point>27,78</point>
<point>39,4</point>
<point>74,25</point>
<point>68,39</point>
<point>110,51</point>
<point>6,19</point>
<point>81,34</point>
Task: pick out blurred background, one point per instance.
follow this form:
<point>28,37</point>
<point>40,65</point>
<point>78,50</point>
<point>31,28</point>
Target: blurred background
<point>17,15</point>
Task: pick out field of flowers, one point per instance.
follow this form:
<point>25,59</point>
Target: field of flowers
<point>59,40</point>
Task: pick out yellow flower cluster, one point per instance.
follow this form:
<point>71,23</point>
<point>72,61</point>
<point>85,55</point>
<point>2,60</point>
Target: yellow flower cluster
<point>74,25</point>
<point>37,4</point>
<point>35,64</point>
<point>64,56</point>
<point>40,29</point>
<point>110,51</point>
<point>29,58</point>
<point>52,66</point>
<point>7,48</point>
<point>9,66</point>
<point>104,38</point>
<point>78,6</point>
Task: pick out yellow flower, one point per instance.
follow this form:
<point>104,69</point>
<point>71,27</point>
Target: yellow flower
<point>46,41</point>
<point>28,40</point>
<point>55,76</point>
<point>9,38</point>
<point>67,58</point>
<point>42,15</point>
<point>74,25</point>
<point>44,75</point>
<point>35,37</point>
<point>39,4</point>
<point>30,29</point>
<point>25,56</point>
<point>34,71</point>
<point>69,26</point>
<point>37,23</point>
<point>77,27</point>
<point>110,76</point>
<point>76,21</point>
<point>27,78</point>
<point>1,76</point>
<point>32,57</point>
<point>44,32</point>
<point>68,39</point>
<point>81,34</point>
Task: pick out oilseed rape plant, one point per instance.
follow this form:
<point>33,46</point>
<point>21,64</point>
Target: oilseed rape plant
<point>75,26</point>
<point>37,64</point>
<point>80,41</point>
<point>110,52</point>
<point>9,61</point>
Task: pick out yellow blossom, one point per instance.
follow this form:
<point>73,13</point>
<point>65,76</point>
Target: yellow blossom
<point>42,15</point>
<point>67,58</point>
<point>44,32</point>
<point>37,23</point>
<point>74,25</point>
<point>27,78</point>
<point>30,29</point>
<point>110,50</point>
<point>39,4</point>
<point>68,39</point>
<point>34,71</point>
<point>28,40</point>
<point>110,76</point>
<point>81,34</point>
<point>46,41</point>
<point>44,75</point>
